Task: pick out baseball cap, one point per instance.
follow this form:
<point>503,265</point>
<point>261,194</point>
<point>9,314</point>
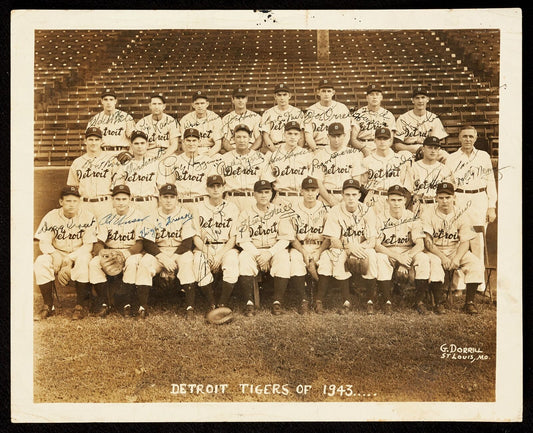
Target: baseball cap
<point>158,95</point>
<point>309,182</point>
<point>431,141</point>
<point>351,183</point>
<point>93,130</point>
<point>191,132</point>
<point>242,127</point>
<point>121,189</point>
<point>383,133</point>
<point>261,185</point>
<point>168,189</point>
<point>335,129</point>
<point>281,88</point>
<point>109,92</point>
<point>398,190</point>
<point>239,91</point>
<point>420,90</point>
<point>445,187</point>
<point>214,180</point>
<point>136,134</point>
<point>293,125</point>
<point>69,190</point>
<point>198,94</point>
<point>373,88</point>
<point>325,84</point>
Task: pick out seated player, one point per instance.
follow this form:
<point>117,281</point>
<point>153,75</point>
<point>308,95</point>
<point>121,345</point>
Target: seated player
<point>264,233</point>
<point>351,229</point>
<point>448,234</point>
<point>167,239</point>
<point>66,236</point>
<point>399,245</point>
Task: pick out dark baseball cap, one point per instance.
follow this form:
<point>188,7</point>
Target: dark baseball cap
<point>431,141</point>
<point>335,128</point>
<point>242,127</point>
<point>445,187</point>
<point>158,95</point>
<point>398,190</point>
<point>135,134</point>
<point>93,130</point>
<point>168,189</point>
<point>309,182</point>
<point>215,179</point>
<point>121,189</point>
<point>239,91</point>
<point>191,132</point>
<point>69,190</point>
<point>281,88</point>
<point>198,94</point>
<point>108,92</point>
<point>420,90</point>
<point>373,88</point>
<point>326,84</point>
<point>261,185</point>
<point>383,133</point>
<point>351,183</point>
<point>293,125</point>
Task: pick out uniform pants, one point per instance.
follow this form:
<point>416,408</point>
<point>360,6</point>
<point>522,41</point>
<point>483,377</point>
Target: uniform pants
<point>332,263</point>
<point>298,268</point>
<point>279,264</point>
<point>97,275</point>
<point>385,267</point>
<point>470,265</point>
<point>149,266</point>
<point>44,268</point>
<point>229,267</point>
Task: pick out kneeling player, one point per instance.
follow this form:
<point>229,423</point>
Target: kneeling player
<point>400,245</point>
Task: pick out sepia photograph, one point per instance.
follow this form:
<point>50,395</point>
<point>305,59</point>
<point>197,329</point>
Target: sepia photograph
<point>267,216</point>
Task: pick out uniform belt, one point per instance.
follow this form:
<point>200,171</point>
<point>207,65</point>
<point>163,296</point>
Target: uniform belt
<point>312,242</point>
<point>471,191</point>
<point>375,191</point>
<point>240,193</point>
<point>322,144</point>
<point>428,200</point>
<point>115,148</point>
<point>146,198</point>
<point>288,194</point>
<point>92,200</point>
<point>214,243</point>
<point>365,140</point>
<point>334,191</point>
<point>279,142</point>
<point>191,200</point>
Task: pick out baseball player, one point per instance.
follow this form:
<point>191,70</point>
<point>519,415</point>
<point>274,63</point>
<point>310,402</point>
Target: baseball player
<point>161,129</point>
<point>241,168</point>
<point>217,221</point>
<point>167,236</point>
<point>427,173</point>
<point>116,125</point>
<point>399,245</point>
<point>333,164</point>
<point>94,173</point>
<point>206,122</point>
<point>66,236</point>
<point>417,124</point>
<point>448,234</point>
<point>351,228</point>
<point>140,174</point>
<point>384,168</point>
<point>264,233</point>
<point>239,116</point>
<point>274,119</point>
<point>120,230</point>
<point>366,120</point>
<point>319,116</point>
<point>289,164</point>
<point>308,245</point>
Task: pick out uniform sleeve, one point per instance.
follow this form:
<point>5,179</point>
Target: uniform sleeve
<point>188,230</point>
<point>72,176</point>
<point>316,169</point>
<point>265,125</point>
<point>217,128</point>
<point>357,164</point>
<point>425,218</point>
<point>45,234</point>
<point>488,172</point>
<point>417,230</point>
<point>226,131</point>
<point>147,230</point>
<point>371,224</point>
<point>243,228</point>
<point>400,129</point>
<point>267,172</point>
<point>438,129</point>
<point>103,232</point>
<point>465,228</point>
<point>346,120</point>
<point>166,170</point>
<point>308,120</point>
<point>332,227</point>
<point>89,236</point>
<point>174,129</point>
<point>256,130</point>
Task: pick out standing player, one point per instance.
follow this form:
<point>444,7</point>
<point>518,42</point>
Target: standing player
<point>239,116</point>
<point>335,163</point>
<point>116,125</point>
<point>417,124</point>
<point>351,229</point>
<point>167,239</point>
<point>264,233</point>
<point>274,119</point>
<point>66,237</point>
<point>161,129</point>
<point>319,116</point>
<point>94,173</point>
<point>309,243</point>
<point>448,235</point>
<point>367,120</point>
<point>120,230</point>
<point>206,122</point>
<point>400,244</point>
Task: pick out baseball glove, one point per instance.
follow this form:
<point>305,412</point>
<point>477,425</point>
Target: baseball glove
<point>402,277</point>
<point>63,276</point>
<point>419,154</point>
<point>167,280</point>
<point>357,266</point>
<point>311,268</point>
<point>219,316</point>
<point>124,157</point>
<point>112,262</point>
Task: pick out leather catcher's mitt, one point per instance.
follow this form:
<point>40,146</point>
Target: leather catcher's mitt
<point>219,316</point>
<point>357,266</point>
<point>402,278</point>
<point>124,157</point>
<point>112,262</point>
<point>311,268</point>
<point>63,276</point>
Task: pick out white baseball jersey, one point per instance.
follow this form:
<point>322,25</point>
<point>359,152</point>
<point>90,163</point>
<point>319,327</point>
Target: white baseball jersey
<point>413,129</point>
<point>56,231</point>
<point>217,223</point>
<point>289,168</point>
<point>159,132</point>
<point>140,175</point>
<point>121,231</point>
<point>427,177</point>
<point>308,223</point>
<point>350,227</point>
<point>168,230</point>
<point>249,118</point>
<point>93,176</point>
<point>274,120</point>
<point>210,128</point>
<point>241,172</point>
<point>113,127</point>
<point>392,169</point>
<point>334,167</point>
<point>367,121</point>
<point>399,232</point>
<point>318,117</point>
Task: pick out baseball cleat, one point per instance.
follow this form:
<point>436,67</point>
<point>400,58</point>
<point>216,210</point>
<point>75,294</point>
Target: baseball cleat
<point>46,312</point>
<point>439,309</point>
<point>421,308</point>
<point>142,313</point>
<point>127,311</point>
<point>78,313</point>
<point>370,308</point>
<point>189,314</point>
<point>319,309</point>
<point>276,309</point>
<point>304,307</point>
<point>249,311</point>
<point>470,308</point>
<point>102,311</point>
<point>387,308</point>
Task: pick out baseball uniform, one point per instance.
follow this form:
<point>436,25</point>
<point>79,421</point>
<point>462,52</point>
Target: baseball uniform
<point>159,132</point>
<point>248,118</point>
<point>209,127</point>
<point>273,121</point>
<point>365,122</point>
<point>113,127</point>
<point>318,117</point>
<point>426,177</point>
<point>412,129</point>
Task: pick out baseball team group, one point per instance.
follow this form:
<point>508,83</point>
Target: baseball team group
<point>319,198</point>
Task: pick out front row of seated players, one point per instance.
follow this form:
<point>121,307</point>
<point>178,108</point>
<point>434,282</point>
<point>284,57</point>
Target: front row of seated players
<point>329,237</point>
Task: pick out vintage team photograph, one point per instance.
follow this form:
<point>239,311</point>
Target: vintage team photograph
<point>255,214</point>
